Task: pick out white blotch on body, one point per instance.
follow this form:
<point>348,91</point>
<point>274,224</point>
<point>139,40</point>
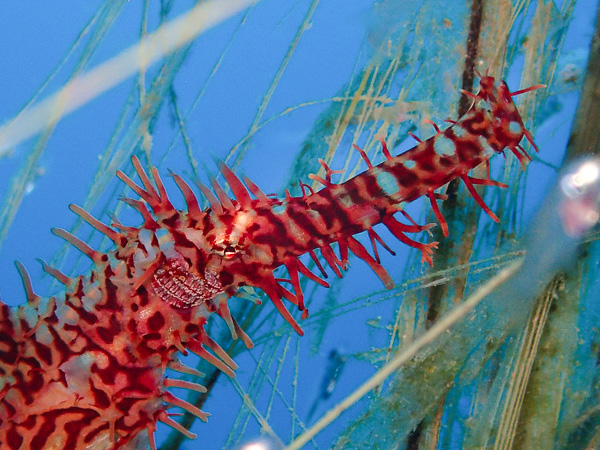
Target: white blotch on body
<point>459,131</point>
<point>444,146</point>
<point>487,148</point>
<point>388,183</point>
<point>514,127</point>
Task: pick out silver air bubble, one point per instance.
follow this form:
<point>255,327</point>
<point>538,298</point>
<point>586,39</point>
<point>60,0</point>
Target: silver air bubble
<point>580,207</point>
<point>570,210</point>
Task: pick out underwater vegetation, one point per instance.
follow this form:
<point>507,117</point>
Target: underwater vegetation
<point>270,91</point>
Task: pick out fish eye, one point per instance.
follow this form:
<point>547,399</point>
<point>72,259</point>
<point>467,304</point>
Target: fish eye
<point>229,252</point>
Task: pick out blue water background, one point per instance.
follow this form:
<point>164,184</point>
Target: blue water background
<point>37,35</point>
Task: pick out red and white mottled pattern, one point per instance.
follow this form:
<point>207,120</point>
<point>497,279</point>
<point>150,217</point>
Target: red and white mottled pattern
<point>86,369</point>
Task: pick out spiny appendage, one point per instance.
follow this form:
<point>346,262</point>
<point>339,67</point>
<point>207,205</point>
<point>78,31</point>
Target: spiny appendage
<point>494,100</point>
<point>174,280</point>
<point>183,290</point>
<point>69,383</point>
<point>509,130</point>
<point>222,205</point>
<point>85,407</point>
<point>224,208</point>
<point>494,105</point>
<point>397,228</point>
